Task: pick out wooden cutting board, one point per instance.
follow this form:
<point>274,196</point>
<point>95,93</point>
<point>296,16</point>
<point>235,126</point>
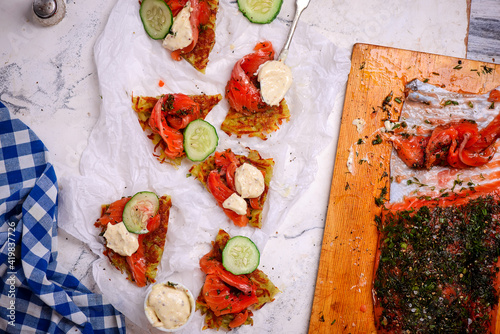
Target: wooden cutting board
<point>343,297</point>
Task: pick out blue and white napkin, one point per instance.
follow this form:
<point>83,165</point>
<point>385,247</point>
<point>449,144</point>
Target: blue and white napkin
<point>37,294</point>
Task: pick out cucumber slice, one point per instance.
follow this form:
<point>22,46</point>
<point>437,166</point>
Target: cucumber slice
<point>137,212</point>
<point>240,256</point>
<point>156,17</point>
<point>200,140</point>
<point>260,11</point>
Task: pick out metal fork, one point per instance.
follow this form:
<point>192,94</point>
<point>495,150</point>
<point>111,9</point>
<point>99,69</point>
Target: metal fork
<point>300,6</point>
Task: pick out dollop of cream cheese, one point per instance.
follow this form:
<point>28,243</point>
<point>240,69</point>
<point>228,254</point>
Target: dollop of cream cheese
<point>275,79</point>
<point>181,33</point>
<point>249,181</point>
<point>388,126</point>
<point>120,240</point>
<point>168,307</point>
<point>236,204</point>
<point>359,123</point>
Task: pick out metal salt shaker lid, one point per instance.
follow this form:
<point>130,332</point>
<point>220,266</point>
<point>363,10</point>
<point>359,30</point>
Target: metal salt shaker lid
<point>44,8</point>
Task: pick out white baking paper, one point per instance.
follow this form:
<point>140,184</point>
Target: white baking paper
<point>119,162</point>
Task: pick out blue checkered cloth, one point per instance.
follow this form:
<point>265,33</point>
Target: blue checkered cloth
<point>37,294</point>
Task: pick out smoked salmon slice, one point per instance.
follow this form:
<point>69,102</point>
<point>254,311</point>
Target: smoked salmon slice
<point>459,143</point>
<point>217,174</point>
<point>112,213</point>
<point>225,298</point>
<point>242,89</point>
<point>141,266</point>
<point>194,20</point>
<point>137,263</point>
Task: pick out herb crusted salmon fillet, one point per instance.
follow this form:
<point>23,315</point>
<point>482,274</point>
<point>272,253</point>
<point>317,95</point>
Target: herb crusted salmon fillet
<point>437,266</point>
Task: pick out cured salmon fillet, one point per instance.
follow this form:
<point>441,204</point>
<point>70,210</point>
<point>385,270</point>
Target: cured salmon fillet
<point>437,268</point>
<point>444,140</point>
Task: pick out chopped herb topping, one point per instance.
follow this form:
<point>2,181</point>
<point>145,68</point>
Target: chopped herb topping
<point>437,268</point>
<point>169,103</point>
<point>448,102</point>
<point>379,201</point>
<point>415,181</point>
<point>486,69</point>
<point>377,140</point>
<point>388,98</point>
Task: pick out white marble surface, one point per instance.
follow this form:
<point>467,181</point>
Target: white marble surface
<point>484,31</point>
<point>49,80</point>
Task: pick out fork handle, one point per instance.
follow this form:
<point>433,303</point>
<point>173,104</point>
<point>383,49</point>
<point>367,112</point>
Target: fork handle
<point>301,5</point>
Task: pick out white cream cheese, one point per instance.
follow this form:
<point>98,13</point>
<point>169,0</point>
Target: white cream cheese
<point>236,204</point>
<point>168,307</point>
<point>359,123</point>
<point>181,33</point>
<point>388,126</point>
<point>350,161</point>
<point>275,79</point>
<point>120,240</point>
<point>249,181</point>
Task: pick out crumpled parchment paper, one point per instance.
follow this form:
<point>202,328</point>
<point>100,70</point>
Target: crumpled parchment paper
<point>119,161</point>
